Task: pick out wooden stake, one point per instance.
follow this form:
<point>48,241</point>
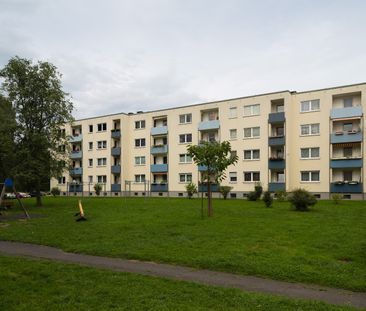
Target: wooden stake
<point>81,213</point>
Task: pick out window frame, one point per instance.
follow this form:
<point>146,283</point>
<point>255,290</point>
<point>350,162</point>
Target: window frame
<point>251,151</point>
<point>138,142</point>
<point>251,132</point>
<point>138,161</point>
<point>310,105</point>
<point>186,158</point>
<point>102,127</point>
<point>103,144</point>
<point>252,174</point>
<point>186,180</point>
<point>185,138</point>
<point>310,176</point>
<point>185,116</point>
<point>141,124</point>
<point>310,153</point>
<point>309,129</point>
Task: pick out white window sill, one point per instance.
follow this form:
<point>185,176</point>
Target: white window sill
<point>251,159</point>
<point>306,135</point>
<point>318,110</point>
<point>252,115</point>
<point>184,123</point>
<point>310,158</point>
<point>257,137</point>
<point>309,182</point>
<point>185,163</point>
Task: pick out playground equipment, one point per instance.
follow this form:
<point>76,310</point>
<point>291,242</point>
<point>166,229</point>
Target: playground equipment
<point>8,183</point>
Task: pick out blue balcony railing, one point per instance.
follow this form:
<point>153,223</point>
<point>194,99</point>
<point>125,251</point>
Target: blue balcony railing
<point>204,188</point>
<point>276,117</point>
<point>116,151</point>
<point>76,171</point>
<point>349,112</point>
<point>159,168</point>
<point>76,138</point>
<point>159,130</point>
<point>276,140</point>
<point>155,187</point>
<point>115,133</point>
<point>116,187</point>
<point>276,186</point>
<point>345,137</point>
<point>75,188</point>
<point>209,125</point>
<point>276,164</point>
<point>76,154</point>
<point>116,169</point>
<point>346,163</point>
<point>159,149</point>
<point>340,187</point>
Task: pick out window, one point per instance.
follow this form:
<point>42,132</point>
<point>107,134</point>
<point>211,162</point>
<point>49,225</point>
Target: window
<point>185,158</point>
<point>102,161</point>
<point>310,105</point>
<point>233,134</point>
<point>140,124</point>
<point>140,160</point>
<point>309,153</point>
<point>233,177</point>
<point>90,128</point>
<point>140,178</point>
<point>140,142</point>
<point>251,176</point>
<point>310,129</point>
<point>348,102</point>
<point>185,118</point>
<point>90,179</point>
<point>102,127</point>
<point>212,116</point>
<point>90,146</point>
<point>280,108</point>
<point>185,138</point>
<point>62,180</point>
<point>310,176</point>
<point>102,144</point>
<point>347,175</point>
<point>90,162</point>
<point>251,132</point>
<point>347,127</point>
<point>251,110</point>
<point>185,177</point>
<point>347,152</point>
<point>211,136</point>
<point>102,179</point>
<point>233,112</point>
<point>253,154</point>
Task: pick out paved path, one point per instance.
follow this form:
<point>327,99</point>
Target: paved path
<point>246,283</point>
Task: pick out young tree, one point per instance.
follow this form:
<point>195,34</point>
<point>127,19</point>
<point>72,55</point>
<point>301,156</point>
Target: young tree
<point>216,157</point>
<point>41,109</point>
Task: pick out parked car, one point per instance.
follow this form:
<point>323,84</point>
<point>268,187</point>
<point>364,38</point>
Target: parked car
<point>9,196</point>
<point>23,195</point>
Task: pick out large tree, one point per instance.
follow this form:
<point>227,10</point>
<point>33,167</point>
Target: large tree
<point>41,109</point>
<point>215,157</point>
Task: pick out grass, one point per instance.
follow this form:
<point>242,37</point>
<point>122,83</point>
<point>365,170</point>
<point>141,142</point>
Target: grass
<point>326,246</point>
<point>42,285</point>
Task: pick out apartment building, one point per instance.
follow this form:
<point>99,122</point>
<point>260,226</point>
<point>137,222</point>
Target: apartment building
<point>285,140</point>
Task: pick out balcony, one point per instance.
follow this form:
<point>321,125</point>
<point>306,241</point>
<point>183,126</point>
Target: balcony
<point>76,138</point>
<point>276,141</point>
<point>115,133</point>
<point>76,155</point>
<point>346,163</point>
<point>116,169</point>
<point>276,186</point>
<point>115,187</point>
<point>345,137</point>
<point>75,187</point>
<point>159,149</point>
<point>116,151</point>
<point>160,130</point>
<point>159,187</point>
<point>202,168</point>
<point>349,112</point>
<point>276,117</point>
<point>76,171</point>
<point>159,168</point>
<point>203,188</point>
<point>209,125</point>
<point>276,164</point>
<point>342,187</point>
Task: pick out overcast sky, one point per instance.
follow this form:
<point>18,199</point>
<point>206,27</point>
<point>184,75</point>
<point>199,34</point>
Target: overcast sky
<point>122,56</point>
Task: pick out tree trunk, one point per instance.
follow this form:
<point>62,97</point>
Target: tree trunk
<point>209,198</point>
<point>38,196</point>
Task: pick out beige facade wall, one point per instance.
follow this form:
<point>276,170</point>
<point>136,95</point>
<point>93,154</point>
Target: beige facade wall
<point>238,119</point>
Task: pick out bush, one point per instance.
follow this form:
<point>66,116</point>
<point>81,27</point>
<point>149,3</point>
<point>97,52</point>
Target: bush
<point>337,198</point>
<point>97,188</point>
<point>281,195</point>
<point>301,199</point>
<point>252,196</point>
<point>55,191</point>
<point>267,199</point>
<point>224,190</point>
<point>191,189</point>
<point>258,189</point>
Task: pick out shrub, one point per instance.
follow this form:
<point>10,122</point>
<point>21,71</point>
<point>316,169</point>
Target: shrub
<point>337,198</point>
<point>55,191</point>
<point>267,199</point>
<point>224,190</point>
<point>258,189</point>
<point>191,189</point>
<point>302,199</point>
<point>252,196</point>
<point>97,188</point>
<point>281,195</point>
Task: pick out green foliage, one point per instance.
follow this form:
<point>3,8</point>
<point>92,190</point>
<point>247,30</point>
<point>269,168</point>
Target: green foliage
<point>267,199</point>
<point>337,198</point>
<point>41,108</point>
<point>191,189</point>
<point>224,190</point>
<point>97,189</point>
<point>281,195</point>
<point>252,196</point>
<point>55,191</point>
<point>301,199</point>
<point>258,189</point>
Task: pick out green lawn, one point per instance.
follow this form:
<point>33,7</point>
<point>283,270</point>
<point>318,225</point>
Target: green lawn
<point>41,285</point>
<point>325,246</point>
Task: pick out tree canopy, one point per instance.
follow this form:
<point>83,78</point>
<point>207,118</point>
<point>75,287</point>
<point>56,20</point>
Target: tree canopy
<point>41,109</point>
